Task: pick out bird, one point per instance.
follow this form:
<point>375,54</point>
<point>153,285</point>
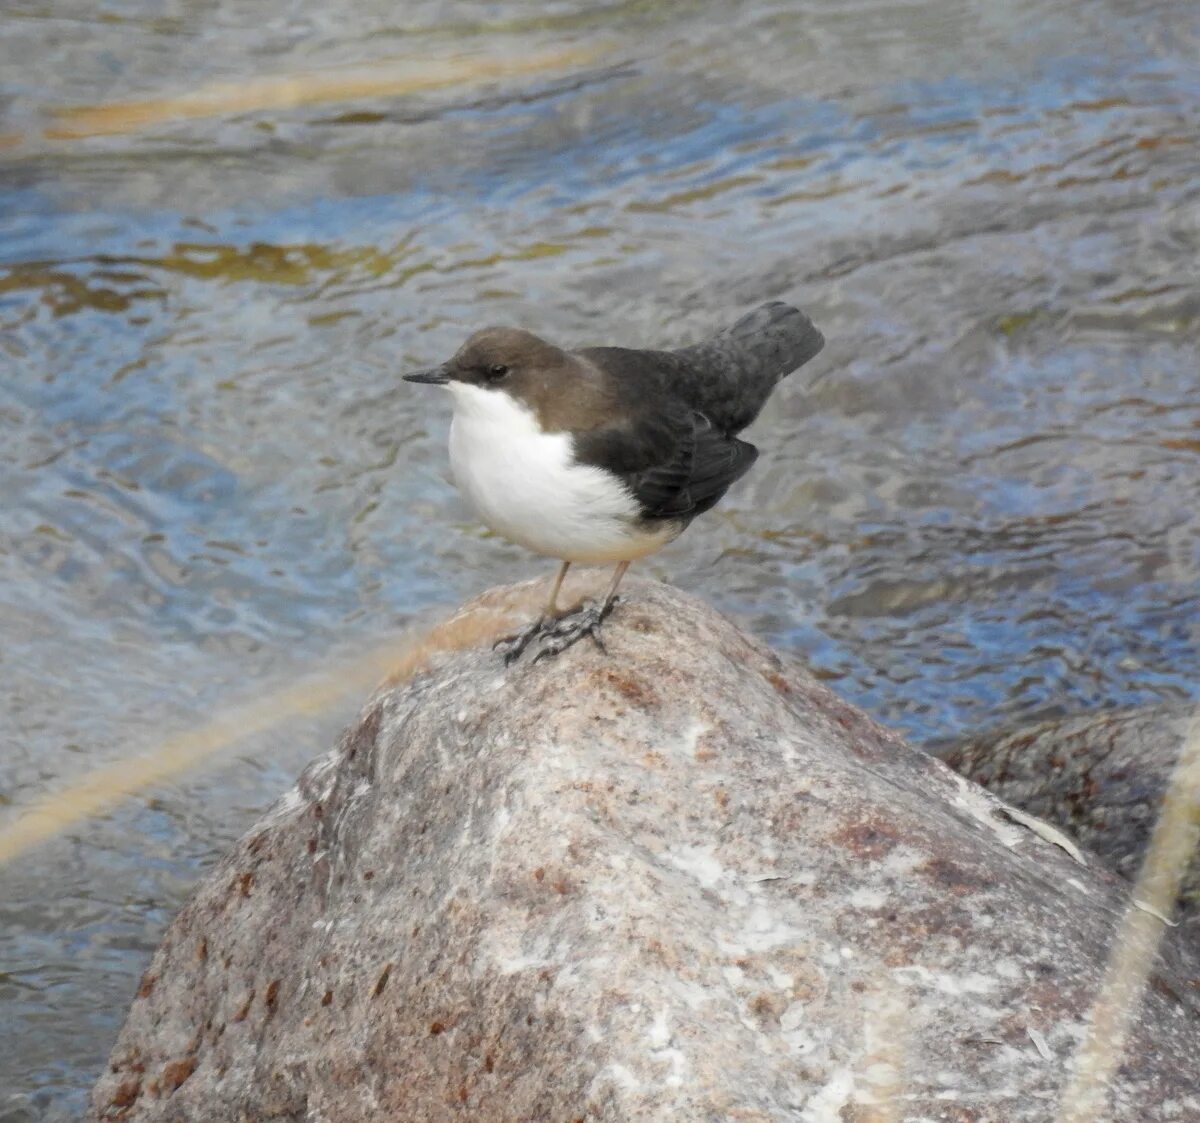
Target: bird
<point>607,454</point>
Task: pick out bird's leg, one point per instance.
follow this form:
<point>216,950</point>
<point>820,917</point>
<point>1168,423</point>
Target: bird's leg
<point>611,597</point>
<point>586,622</point>
<point>513,646</point>
<point>551,610</point>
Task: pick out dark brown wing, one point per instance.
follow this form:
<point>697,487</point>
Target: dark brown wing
<point>677,463</point>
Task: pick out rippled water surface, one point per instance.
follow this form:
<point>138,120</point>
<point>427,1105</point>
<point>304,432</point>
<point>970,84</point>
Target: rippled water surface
<point>226,228</point>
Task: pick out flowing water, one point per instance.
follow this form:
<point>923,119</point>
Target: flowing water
<point>227,227</point>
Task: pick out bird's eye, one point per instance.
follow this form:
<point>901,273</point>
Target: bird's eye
<point>496,371</point>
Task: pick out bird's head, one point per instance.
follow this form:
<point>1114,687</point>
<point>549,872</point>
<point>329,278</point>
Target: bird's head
<point>537,374</point>
<point>495,358</point>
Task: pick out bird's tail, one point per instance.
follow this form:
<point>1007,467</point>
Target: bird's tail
<point>778,337</point>
<point>743,364</point>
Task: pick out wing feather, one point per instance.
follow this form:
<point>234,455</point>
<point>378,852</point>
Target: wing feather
<point>677,465</point>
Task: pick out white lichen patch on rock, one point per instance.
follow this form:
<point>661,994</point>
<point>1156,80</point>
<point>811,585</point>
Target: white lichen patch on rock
<point>698,863</point>
<point>680,880</point>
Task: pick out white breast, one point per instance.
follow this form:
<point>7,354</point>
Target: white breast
<point>525,486</point>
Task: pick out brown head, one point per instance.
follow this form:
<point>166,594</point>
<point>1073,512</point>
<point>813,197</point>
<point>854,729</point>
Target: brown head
<point>563,391</point>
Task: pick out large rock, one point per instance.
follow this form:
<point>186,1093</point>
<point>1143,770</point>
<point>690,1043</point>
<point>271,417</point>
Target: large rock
<point>677,881</point>
<point>1101,777</point>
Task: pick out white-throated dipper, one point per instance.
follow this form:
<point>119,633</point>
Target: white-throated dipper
<point>606,454</point>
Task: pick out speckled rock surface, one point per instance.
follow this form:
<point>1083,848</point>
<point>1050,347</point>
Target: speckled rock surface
<point>1099,776</point>
<point>680,881</point>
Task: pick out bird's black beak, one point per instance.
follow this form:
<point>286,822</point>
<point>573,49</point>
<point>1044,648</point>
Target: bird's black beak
<point>435,376</point>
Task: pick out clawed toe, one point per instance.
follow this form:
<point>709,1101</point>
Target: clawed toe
<point>571,629</point>
<point>557,633</point>
<point>513,647</point>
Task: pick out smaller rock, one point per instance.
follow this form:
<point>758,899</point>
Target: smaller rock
<point>1101,777</point>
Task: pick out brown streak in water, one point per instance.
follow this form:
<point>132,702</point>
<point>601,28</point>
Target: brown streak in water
<point>1097,104</point>
<point>693,195</point>
<point>290,91</point>
<point>814,194</point>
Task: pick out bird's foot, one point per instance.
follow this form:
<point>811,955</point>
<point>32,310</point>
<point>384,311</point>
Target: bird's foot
<point>569,630</point>
<point>513,647</point>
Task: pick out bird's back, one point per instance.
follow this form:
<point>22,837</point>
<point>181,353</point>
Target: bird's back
<point>729,377</point>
